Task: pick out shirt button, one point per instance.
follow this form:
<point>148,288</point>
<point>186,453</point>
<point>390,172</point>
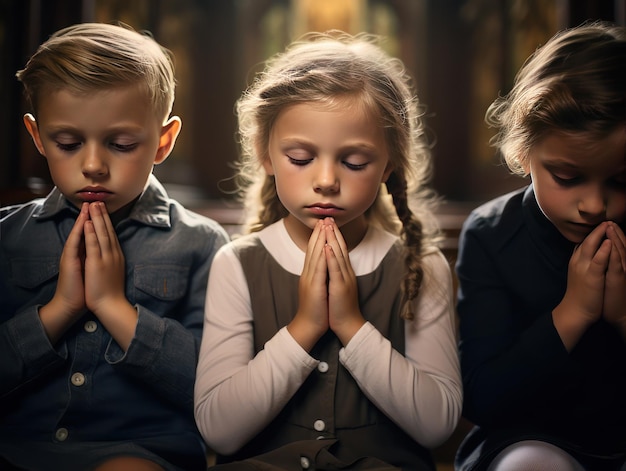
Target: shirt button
<point>322,367</point>
<point>319,425</point>
<point>78,379</point>
<point>91,326</point>
<point>304,462</point>
<point>61,434</point>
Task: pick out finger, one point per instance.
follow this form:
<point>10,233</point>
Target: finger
<point>315,268</point>
<point>340,240</point>
<point>340,249</point>
<point>334,256</point>
<point>615,234</point>
<point>615,266</point>
<point>74,240</point>
<point>103,235</point>
<point>92,246</point>
<point>600,261</point>
<point>593,241</point>
<point>313,240</point>
<point>617,258</point>
<point>109,225</point>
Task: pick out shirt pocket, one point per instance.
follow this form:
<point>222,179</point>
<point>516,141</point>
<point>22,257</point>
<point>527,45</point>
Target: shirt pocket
<point>33,281</point>
<point>162,282</point>
<point>32,273</point>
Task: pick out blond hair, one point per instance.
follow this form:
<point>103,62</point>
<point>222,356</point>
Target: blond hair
<point>328,68</point>
<point>89,57</point>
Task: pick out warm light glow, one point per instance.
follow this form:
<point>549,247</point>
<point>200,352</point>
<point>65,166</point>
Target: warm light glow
<point>323,15</point>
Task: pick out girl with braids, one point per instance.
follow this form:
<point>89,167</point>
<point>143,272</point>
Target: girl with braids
<point>329,339</point>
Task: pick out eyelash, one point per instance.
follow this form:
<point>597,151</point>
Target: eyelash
<point>565,181</point>
<point>299,162</point>
<point>118,147</point>
<point>68,147</point>
<point>303,162</point>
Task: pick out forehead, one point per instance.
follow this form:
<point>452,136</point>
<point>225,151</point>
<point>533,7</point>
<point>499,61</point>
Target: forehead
<point>65,94</point>
<point>119,103</point>
<point>584,151</point>
<point>335,118</point>
<point>98,112</point>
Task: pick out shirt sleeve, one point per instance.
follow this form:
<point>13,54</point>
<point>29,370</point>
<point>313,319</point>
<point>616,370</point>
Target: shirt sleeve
<point>421,391</point>
<point>26,351</point>
<point>238,394</point>
<point>502,365</point>
<point>164,351</point>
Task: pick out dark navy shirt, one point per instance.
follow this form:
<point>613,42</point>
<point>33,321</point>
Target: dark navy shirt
<point>519,380</point>
<point>85,388</point>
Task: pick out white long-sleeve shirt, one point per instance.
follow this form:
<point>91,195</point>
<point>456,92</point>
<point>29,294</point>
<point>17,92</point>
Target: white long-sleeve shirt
<point>237,394</point>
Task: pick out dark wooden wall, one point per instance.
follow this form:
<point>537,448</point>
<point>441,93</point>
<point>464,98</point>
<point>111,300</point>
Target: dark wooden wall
<point>222,37</point>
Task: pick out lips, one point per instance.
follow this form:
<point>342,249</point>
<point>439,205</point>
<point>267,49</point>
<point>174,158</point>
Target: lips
<point>90,194</point>
<point>324,209</point>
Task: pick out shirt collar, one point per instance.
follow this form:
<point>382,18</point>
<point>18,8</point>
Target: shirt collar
<point>547,237</point>
<point>152,208</point>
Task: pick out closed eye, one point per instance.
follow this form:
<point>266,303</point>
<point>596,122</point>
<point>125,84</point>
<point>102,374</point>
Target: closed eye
<point>124,147</point>
<point>68,147</point>
<point>566,181</point>
<point>299,162</point>
<point>355,167</point>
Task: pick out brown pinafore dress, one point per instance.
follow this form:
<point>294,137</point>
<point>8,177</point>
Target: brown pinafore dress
<point>329,423</point>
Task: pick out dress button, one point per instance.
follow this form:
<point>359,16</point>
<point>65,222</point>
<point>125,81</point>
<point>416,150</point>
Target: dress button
<point>304,462</point>
<point>322,367</point>
<point>61,434</point>
<point>78,379</point>
<point>319,425</point>
<point>91,326</point>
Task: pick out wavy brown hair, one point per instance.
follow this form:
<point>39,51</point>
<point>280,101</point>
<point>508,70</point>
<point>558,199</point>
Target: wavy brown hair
<point>575,83</point>
<point>329,68</point>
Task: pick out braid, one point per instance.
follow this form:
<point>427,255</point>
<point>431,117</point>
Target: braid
<point>412,233</point>
<point>270,212</point>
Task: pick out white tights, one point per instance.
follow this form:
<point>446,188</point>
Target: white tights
<point>534,455</point>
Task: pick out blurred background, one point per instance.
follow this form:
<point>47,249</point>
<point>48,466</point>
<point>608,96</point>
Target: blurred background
<point>461,53</point>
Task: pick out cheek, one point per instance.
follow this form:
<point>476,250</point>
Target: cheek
<point>616,210</point>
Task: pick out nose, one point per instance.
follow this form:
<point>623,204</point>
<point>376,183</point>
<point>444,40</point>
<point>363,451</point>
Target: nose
<point>94,165</point>
<point>326,180</point>
<point>593,202</point>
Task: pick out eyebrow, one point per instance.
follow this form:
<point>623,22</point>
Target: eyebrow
<point>560,163</point>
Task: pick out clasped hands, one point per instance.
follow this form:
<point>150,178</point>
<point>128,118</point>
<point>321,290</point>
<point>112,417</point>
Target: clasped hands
<point>596,281</point>
<point>328,292</point>
<point>91,278</point>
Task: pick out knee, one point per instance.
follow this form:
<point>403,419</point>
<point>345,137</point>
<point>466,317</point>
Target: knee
<point>534,455</point>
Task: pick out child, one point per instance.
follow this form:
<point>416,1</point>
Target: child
<point>542,298</point>
<point>329,338</point>
<point>102,283</point>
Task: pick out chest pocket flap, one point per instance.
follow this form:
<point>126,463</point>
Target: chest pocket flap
<point>31,273</point>
<point>166,282</point>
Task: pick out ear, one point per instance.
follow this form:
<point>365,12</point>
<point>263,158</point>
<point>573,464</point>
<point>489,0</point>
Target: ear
<point>266,162</point>
<point>526,167</point>
<point>169,134</point>
<point>386,173</point>
<point>33,130</point>
<point>267,165</point>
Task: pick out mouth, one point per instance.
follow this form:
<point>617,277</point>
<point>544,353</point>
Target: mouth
<point>323,209</point>
<point>91,194</point>
<point>583,226</point>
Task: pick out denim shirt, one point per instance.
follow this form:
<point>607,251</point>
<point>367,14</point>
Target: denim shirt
<point>85,388</point>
